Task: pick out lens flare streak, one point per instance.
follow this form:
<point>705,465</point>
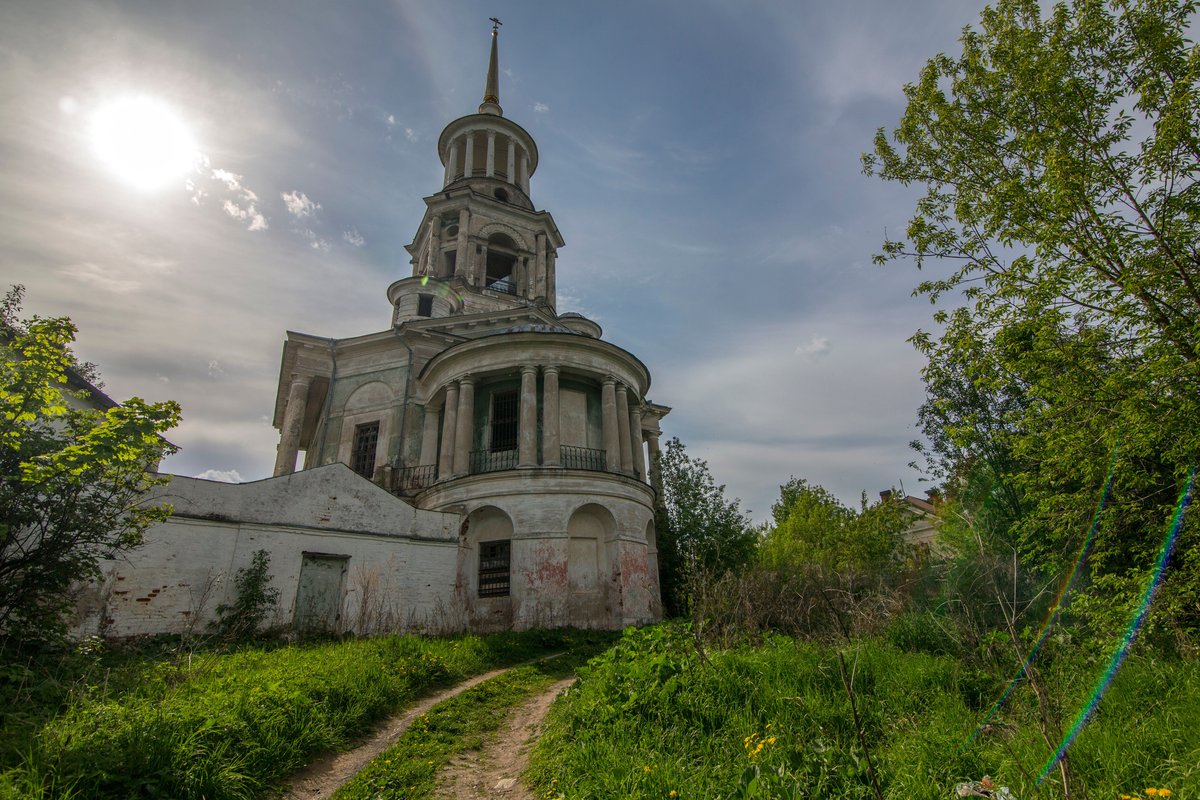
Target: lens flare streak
<point>1118,657</point>
<point>1056,606</point>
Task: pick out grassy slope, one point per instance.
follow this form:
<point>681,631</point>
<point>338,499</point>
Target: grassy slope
<point>221,725</point>
<point>651,718</point>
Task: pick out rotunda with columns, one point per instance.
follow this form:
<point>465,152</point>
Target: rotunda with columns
<point>482,401</point>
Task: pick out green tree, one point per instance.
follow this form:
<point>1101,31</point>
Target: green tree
<point>1060,154</point>
<point>811,528</point>
<point>72,480</point>
<point>700,533</point>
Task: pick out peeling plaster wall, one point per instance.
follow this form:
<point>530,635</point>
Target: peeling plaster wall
<point>401,561</point>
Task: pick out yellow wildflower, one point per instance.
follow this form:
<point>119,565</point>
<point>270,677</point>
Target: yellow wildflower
<point>646,770</point>
<point>673,793</point>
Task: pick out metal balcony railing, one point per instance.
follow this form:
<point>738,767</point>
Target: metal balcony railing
<point>488,461</point>
<point>583,458</point>
<point>411,480</point>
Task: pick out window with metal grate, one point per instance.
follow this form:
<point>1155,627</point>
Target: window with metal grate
<point>504,421</point>
<point>362,457</point>
<point>494,559</point>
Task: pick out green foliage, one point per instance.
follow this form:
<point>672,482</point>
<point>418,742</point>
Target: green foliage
<point>700,533</point>
<point>1060,154</point>
<point>810,527</point>
<point>228,725</point>
<point>254,604</point>
<point>73,478</point>
<point>773,721</point>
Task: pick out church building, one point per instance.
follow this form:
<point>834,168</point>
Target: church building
<point>503,451</point>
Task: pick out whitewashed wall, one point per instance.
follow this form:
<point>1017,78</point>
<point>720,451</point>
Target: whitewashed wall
<point>401,561</point>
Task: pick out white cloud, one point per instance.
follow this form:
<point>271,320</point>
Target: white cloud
<point>231,180</point>
<point>299,205</point>
<point>816,347</point>
<point>222,475</point>
<point>410,134</point>
<point>353,237</point>
<point>214,369</point>
<point>541,108</point>
<point>391,119</point>
<point>250,215</point>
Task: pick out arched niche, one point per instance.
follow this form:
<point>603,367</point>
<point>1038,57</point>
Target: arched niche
<point>368,397</point>
<point>489,553</point>
<point>591,537</point>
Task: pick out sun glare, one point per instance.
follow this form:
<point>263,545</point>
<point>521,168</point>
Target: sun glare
<point>143,141</point>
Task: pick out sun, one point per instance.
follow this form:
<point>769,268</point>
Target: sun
<point>143,141</point>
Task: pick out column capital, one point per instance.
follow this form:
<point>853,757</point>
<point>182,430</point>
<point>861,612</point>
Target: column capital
<point>301,378</point>
<point>609,380</point>
<point>548,369</point>
<point>529,368</point>
<point>463,380</point>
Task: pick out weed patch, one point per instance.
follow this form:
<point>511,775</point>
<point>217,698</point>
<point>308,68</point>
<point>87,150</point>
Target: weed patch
<point>653,716</point>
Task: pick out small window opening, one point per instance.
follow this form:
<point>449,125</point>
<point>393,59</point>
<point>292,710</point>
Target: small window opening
<point>501,195</point>
<point>450,258</point>
<point>362,457</point>
<point>424,305</point>
<point>504,421</point>
<point>494,560</point>
<point>501,260</point>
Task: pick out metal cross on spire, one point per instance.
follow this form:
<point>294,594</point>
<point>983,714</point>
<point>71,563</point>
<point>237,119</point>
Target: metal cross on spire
<point>495,24</point>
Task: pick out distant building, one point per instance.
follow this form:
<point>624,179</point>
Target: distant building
<point>507,443</point>
<point>922,533</point>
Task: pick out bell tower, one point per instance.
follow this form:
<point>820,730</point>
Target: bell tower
<point>481,236</point>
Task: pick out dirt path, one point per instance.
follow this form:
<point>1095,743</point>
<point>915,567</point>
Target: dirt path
<point>320,779</point>
<point>495,770</point>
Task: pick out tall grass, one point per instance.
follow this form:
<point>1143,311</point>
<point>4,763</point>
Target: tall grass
<point>654,716</point>
<point>225,725</point>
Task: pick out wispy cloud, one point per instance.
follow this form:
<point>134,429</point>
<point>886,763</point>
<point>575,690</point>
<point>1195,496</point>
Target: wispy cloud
<point>249,214</point>
<point>816,347</point>
<point>541,108</point>
<point>299,205</point>
<point>353,238</point>
<point>127,275</point>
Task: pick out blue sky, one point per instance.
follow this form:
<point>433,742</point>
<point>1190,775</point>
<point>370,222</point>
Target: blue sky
<point>701,160</point>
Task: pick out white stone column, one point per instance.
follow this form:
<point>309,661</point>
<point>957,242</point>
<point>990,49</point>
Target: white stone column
<point>462,260</point>
<point>551,451</point>
<point>293,423</point>
<point>512,156</point>
<point>449,423</point>
<point>527,432</point>
<point>491,154</point>
<point>551,270</point>
<point>608,422</point>
<point>452,163</point>
<point>479,277</point>
<point>655,456</point>
<point>469,155</point>
<point>429,438</point>
<point>433,248</point>
<point>524,184</point>
<point>635,435</point>
<point>539,266</point>
<point>623,428</point>
<point>464,427</point>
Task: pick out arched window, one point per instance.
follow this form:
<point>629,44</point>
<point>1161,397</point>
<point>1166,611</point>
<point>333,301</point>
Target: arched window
<point>501,261</point>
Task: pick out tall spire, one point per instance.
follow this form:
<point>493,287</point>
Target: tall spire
<point>491,90</point>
